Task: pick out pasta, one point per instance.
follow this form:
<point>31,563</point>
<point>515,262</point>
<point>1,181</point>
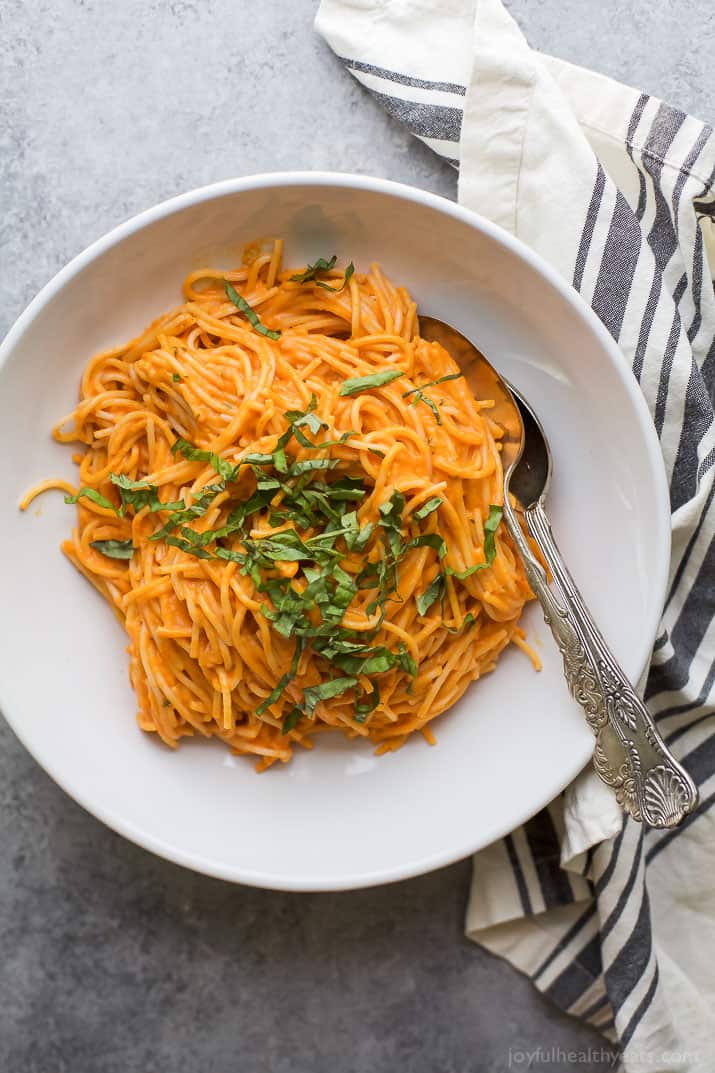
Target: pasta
<point>292,503</point>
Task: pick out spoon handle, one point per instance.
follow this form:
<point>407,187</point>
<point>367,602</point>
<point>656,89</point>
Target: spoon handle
<point>630,755</point>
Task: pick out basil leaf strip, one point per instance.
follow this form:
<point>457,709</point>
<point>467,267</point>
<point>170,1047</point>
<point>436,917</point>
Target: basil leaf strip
<point>114,549</point>
<point>362,710</point>
<point>349,272</point>
<point>359,384</point>
<point>250,314</point>
<point>283,681</point>
<point>430,540</point>
<point>291,720</point>
<point>140,494</point>
<point>427,508</point>
<point>321,265</point>
<point>433,592</point>
<point>490,527</point>
<point>195,454</point>
<point>433,383</point>
<point>325,691</point>
<point>421,397</point>
<point>94,496</point>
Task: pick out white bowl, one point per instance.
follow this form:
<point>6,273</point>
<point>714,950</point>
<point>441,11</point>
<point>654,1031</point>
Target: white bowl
<point>336,817</point>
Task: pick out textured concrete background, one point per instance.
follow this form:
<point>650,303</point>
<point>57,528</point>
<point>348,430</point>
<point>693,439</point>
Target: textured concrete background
<point>112,961</point>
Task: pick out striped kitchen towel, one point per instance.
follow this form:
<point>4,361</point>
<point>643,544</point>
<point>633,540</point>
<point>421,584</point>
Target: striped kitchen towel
<point>616,189</point>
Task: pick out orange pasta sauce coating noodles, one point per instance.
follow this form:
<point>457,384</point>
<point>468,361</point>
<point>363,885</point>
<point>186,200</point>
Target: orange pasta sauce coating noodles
<point>205,653</point>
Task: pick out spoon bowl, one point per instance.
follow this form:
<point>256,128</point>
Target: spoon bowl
<point>630,755</point>
<point>525,452</point>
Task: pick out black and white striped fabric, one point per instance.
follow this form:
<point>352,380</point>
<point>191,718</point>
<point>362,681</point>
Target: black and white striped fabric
<point>617,190</point>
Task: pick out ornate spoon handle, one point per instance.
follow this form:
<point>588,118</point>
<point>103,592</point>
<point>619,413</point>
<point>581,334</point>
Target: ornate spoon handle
<point>630,754</point>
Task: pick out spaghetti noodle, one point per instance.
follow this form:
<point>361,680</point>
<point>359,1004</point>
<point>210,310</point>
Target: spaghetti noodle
<point>292,503</point>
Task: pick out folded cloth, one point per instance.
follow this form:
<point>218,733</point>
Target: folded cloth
<point>616,924</point>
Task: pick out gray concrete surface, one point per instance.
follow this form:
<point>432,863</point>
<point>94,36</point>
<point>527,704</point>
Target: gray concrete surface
<point>112,961</point>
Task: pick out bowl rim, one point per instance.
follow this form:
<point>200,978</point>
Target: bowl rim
<point>661,538</point>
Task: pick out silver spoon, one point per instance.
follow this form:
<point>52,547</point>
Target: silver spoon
<point>630,754</point>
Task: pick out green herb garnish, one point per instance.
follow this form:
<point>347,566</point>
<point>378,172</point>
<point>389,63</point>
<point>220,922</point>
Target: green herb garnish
<point>195,454</point>
<point>435,591</point>
<point>201,504</point>
<point>140,494</point>
<point>391,520</point>
<point>419,395</point>
<point>406,660</point>
<point>321,265</point>
<point>362,710</point>
<point>349,273</point>
<point>114,549</point>
<point>186,546</point>
<point>433,383</point>
<point>312,695</point>
<point>283,681</point>
<point>466,624</point>
<point>427,508</point>
<point>291,720</point>
<point>250,314</point>
<point>490,527</point>
<point>430,540</point>
<point>95,496</point>
<point>365,383</point>
<point>370,661</point>
<point>176,378</point>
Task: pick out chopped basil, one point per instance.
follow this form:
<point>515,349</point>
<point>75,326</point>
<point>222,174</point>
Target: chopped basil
<point>391,520</point>
<point>291,720</point>
<point>490,527</point>
<point>195,454</point>
<point>373,661</point>
<point>321,265</point>
<point>362,710</point>
<point>466,624</point>
<point>283,681</point>
<point>433,383</point>
<point>427,508</point>
<point>186,546</point>
<point>200,505</point>
<point>421,397</point>
<point>462,575</point>
<point>94,496</point>
<point>435,591</point>
<point>230,555</point>
<point>176,378</point>
<point>306,417</point>
<point>430,540</point>
<point>365,383</point>
<point>312,695</point>
<point>114,549</point>
<point>250,314</point>
<point>349,273</point>
<point>406,660</point>
<point>140,494</point>
<point>310,464</point>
